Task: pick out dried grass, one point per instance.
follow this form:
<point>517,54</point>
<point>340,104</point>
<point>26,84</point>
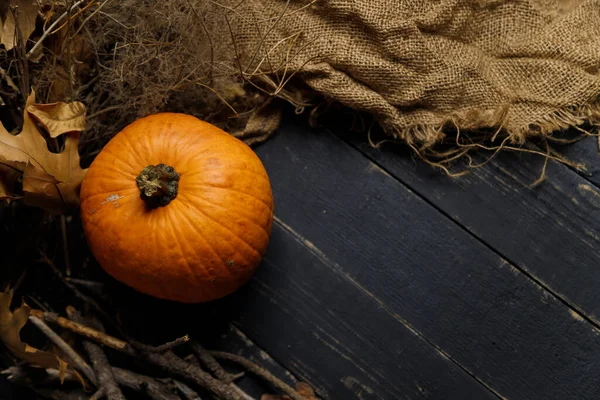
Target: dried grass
<point>129,58</point>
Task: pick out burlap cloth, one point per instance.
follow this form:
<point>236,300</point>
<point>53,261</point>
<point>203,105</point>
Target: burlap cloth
<point>425,67</point>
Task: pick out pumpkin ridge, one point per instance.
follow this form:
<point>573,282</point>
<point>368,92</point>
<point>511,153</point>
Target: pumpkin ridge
<point>114,171</point>
<point>139,158</point>
<point>218,224</point>
<point>222,262</point>
<point>117,166</point>
<point>227,167</point>
<point>233,212</point>
<point>201,235</point>
<point>175,234</point>
<point>193,185</point>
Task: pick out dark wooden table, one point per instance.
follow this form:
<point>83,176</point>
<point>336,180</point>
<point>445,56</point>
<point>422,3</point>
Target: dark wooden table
<point>386,280</point>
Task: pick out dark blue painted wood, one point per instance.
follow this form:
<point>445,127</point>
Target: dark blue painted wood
<point>321,325</point>
<point>486,315</point>
<point>551,232</point>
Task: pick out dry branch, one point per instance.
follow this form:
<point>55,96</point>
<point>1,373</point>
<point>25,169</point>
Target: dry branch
<point>172,364</point>
<point>143,384</point>
<point>167,361</point>
<point>212,365</point>
<point>104,374</point>
<point>64,346</point>
<point>259,371</point>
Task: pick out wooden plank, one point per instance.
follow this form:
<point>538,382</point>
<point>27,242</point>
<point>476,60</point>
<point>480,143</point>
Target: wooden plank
<point>551,231</point>
<point>233,340</point>
<point>327,330</point>
<point>585,151</point>
<point>485,314</point>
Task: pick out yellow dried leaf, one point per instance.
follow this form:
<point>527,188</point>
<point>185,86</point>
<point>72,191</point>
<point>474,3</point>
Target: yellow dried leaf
<point>27,13</point>
<point>50,180</point>
<point>10,328</point>
<point>59,118</point>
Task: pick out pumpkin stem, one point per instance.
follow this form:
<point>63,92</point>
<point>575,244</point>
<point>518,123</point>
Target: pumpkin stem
<point>158,185</point>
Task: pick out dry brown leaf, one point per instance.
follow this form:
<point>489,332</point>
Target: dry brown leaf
<point>38,186</point>
<point>305,390</point>
<point>59,118</point>
<point>302,388</point>
<point>27,14</point>
<point>8,178</point>
<point>10,328</point>
<point>50,180</point>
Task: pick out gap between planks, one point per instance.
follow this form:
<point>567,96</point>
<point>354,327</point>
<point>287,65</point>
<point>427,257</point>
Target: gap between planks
<point>339,270</point>
<point>573,309</point>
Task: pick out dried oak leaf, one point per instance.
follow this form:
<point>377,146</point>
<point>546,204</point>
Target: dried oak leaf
<point>50,180</point>
<point>27,12</point>
<point>10,328</point>
<point>302,388</point>
<point>9,176</point>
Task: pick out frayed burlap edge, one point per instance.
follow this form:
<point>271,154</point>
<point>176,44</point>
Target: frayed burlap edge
<point>463,133</point>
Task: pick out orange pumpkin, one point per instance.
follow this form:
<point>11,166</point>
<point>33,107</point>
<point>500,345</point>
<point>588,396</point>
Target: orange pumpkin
<point>177,208</point>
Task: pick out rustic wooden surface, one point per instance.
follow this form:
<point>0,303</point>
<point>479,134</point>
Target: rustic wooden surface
<point>385,279</point>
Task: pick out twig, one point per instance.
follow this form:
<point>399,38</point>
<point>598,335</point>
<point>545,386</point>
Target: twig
<point>87,85</point>
<point>104,373</point>
<point>212,364</point>
<point>210,43</point>
<point>68,350</point>
<point>51,28</point>
<point>151,349</point>
<point>186,391</point>
<point>91,302</point>
<point>97,10</point>
<point>144,384</point>
<point>20,279</point>
<point>98,395</point>
<point>97,289</point>
<point>151,388</point>
<point>85,331</point>
<point>63,228</point>
<point>259,371</point>
<point>20,46</point>
<point>174,365</point>
<point>169,345</point>
<point>93,286</point>
<point>245,396</point>
<point>9,80</point>
<point>167,361</point>
<point>107,109</point>
<point>106,379</point>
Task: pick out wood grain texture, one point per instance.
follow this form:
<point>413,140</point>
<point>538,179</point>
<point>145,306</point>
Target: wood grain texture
<point>552,231</point>
<point>585,151</point>
<point>322,326</point>
<point>481,311</point>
